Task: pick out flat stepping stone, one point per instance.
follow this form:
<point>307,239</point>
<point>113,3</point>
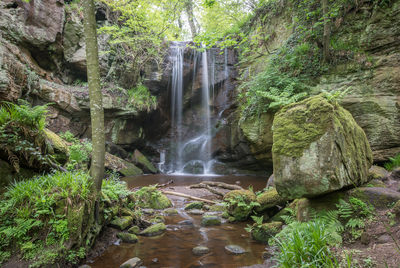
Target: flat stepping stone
<point>127,237</point>
<point>200,250</point>
<point>132,263</point>
<point>234,249</point>
<point>154,230</point>
<point>210,220</point>
<point>195,212</point>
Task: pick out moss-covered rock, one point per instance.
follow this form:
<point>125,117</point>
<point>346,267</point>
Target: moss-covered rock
<point>210,220</point>
<point>170,212</point>
<point>60,147</point>
<point>121,223</point>
<point>154,230</point>
<point>269,199</point>
<point>377,196</point>
<point>240,203</point>
<point>377,173</point>
<point>217,207</point>
<point>134,230</point>
<point>318,148</point>
<point>194,205</point>
<point>265,231</point>
<point>150,197</point>
<point>127,237</point>
<point>258,132</point>
<point>141,161</point>
<point>126,168</point>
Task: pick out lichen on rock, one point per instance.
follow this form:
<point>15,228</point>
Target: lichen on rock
<point>318,148</point>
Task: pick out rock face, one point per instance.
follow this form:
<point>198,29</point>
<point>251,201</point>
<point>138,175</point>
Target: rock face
<point>318,148</point>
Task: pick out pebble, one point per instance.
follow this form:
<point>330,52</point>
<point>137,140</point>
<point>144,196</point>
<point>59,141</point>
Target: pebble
<point>234,249</point>
<point>200,250</point>
<point>132,263</point>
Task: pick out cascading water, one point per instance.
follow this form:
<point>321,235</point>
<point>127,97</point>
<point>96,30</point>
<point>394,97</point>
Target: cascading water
<point>190,152</point>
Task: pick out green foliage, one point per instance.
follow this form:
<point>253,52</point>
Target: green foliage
<point>354,214</point>
<point>32,216</point>
<point>24,114</point>
<point>269,90</point>
<point>305,245</point>
<point>258,221</point>
<point>393,163</point>
<point>114,189</point>
<point>79,151</point>
<point>22,138</point>
<point>140,98</point>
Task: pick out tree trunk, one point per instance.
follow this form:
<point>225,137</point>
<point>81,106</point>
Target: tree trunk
<point>327,32</point>
<point>95,94</point>
<point>189,12</point>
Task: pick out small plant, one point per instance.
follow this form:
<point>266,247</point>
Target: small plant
<point>79,151</point>
<point>393,163</point>
<point>140,98</point>
<point>355,213</point>
<point>305,245</point>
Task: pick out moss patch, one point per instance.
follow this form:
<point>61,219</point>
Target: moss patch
<point>265,231</point>
<point>154,230</point>
<point>269,199</point>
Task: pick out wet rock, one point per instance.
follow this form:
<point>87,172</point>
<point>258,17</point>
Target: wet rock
<point>234,249</point>
<point>236,197</point>
<point>217,207</point>
<point>200,250</point>
<point>379,197</point>
<point>132,263</point>
<point>84,266</point>
<point>377,173</point>
<point>134,230</point>
<point>210,220</point>
<point>318,148</point>
<point>121,223</point>
<point>142,162</point>
<point>186,222</point>
<point>154,230</point>
<point>195,212</point>
<point>194,205</point>
<point>126,168</point>
<point>170,212</point>
<point>269,199</point>
<point>265,231</point>
<point>127,237</point>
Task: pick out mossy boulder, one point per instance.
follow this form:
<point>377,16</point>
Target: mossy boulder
<point>150,198</point>
<point>379,197</point>
<point>240,203</point>
<point>154,230</point>
<point>194,205</point>
<point>134,230</point>
<point>171,212</point>
<point>318,148</point>
<point>121,223</point>
<point>377,173</point>
<point>127,237</point>
<point>142,162</point>
<point>265,231</point>
<point>269,199</point>
<point>210,220</point>
<point>126,168</point>
<point>59,146</point>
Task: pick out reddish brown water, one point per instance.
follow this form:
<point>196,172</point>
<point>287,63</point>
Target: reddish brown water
<point>174,247</point>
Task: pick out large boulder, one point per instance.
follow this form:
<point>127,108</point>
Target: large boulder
<point>126,168</point>
<point>318,148</point>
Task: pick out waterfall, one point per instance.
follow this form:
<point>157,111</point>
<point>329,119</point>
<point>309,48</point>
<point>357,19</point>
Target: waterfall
<point>176,101</point>
<point>190,149</point>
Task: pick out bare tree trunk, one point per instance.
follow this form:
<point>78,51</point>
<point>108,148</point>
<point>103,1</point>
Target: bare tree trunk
<point>189,12</point>
<point>327,32</point>
<point>95,95</point>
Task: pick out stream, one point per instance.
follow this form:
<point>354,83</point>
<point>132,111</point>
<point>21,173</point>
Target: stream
<point>184,232</point>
